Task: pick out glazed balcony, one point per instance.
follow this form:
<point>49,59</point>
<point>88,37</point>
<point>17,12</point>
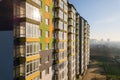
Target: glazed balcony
<point>56,15</point>
<point>70,37</point>
<point>57,4</point>
<point>19,51</point>
<point>24,30</point>
<point>20,71</point>
<point>59,26</point>
<point>70,29</point>
<point>70,15</point>
<point>27,10</point>
<point>70,22</point>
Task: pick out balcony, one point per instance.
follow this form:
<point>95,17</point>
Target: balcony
<point>59,26</point>
<point>19,71</point>
<point>70,15</point>
<point>56,15</point>
<point>77,20</point>
<point>19,32</point>
<point>26,30</point>
<point>70,22</point>
<point>77,31</point>
<point>38,2</point>
<point>77,26</point>
<point>27,10</point>
<point>70,8</point>
<point>70,37</point>
<point>65,1</point>
<point>70,29</point>
<point>57,4</point>
<point>19,51</point>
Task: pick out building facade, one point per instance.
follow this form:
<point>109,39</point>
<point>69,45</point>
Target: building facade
<point>77,44</point>
<point>60,36</point>
<point>84,45</point>
<point>46,40</point>
<point>71,42</point>
<point>26,39</point>
<point>42,40</point>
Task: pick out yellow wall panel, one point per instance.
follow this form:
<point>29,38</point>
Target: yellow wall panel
<point>37,56</point>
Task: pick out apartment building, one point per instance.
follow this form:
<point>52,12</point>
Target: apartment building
<point>77,44</point>
<point>22,20</point>
<point>46,40</point>
<point>86,42</point>
<point>42,40</point>
<point>71,42</point>
<point>84,45</point>
<point>60,34</point>
<point>27,20</point>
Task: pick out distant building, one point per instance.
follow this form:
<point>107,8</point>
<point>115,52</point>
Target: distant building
<point>84,45</point>
<point>93,41</point>
<point>108,40</point>
<point>72,42</point>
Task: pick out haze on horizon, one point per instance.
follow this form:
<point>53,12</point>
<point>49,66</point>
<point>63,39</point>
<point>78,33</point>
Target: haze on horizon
<point>103,17</point>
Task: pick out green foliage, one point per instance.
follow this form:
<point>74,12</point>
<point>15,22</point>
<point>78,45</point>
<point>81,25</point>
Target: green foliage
<point>111,67</point>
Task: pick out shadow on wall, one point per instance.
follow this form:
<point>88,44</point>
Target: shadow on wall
<point>6,55</point>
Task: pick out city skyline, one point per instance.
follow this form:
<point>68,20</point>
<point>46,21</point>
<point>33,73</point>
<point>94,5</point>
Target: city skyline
<point>103,16</point>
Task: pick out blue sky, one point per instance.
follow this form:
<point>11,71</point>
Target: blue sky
<point>103,17</point>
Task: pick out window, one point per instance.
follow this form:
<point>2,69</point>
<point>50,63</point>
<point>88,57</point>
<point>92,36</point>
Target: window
<point>32,12</point>
<point>40,46</point>
<point>40,75</point>
<point>47,46</point>
<point>19,50</point>
<point>40,33</point>
<point>46,59</point>
<point>61,4</point>
<point>61,14</point>
<point>17,71</point>
<point>32,30</point>
<point>22,49</point>
<point>32,48</point>
<point>47,71</point>
<point>47,21</point>
<point>63,36</point>
<point>61,25</point>
<point>22,10</point>
<point>22,29</point>
<point>47,34</point>
<point>65,7</point>
<point>47,8</point>
<point>32,66</point>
